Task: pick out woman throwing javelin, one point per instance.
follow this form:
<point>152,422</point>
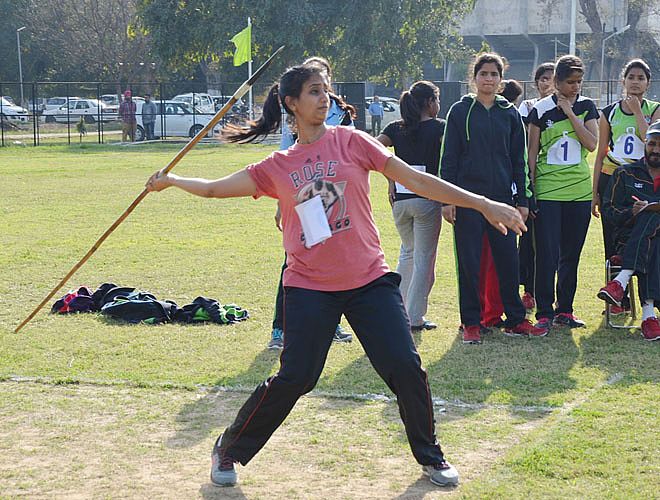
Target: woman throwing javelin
<point>346,274</point>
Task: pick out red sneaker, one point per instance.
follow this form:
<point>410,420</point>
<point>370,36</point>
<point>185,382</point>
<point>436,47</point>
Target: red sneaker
<point>651,329</point>
<point>619,311</point>
<point>612,293</point>
<point>526,329</point>
<point>528,301</point>
<point>472,334</point>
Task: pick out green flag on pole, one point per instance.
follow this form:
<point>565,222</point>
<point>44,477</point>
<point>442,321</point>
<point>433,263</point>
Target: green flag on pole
<point>243,42</point>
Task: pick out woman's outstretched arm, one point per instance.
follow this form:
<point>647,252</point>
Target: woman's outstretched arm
<point>500,215</point>
<point>234,185</point>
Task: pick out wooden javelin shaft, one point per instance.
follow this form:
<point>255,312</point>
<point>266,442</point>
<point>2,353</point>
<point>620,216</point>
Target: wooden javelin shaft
<point>242,90</point>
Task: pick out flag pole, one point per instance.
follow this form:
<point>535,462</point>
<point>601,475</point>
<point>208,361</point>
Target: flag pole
<point>250,73</point>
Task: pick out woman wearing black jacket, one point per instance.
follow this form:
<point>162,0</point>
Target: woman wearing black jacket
<point>484,151</point>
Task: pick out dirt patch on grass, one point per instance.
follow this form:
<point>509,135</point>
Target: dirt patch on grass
<point>86,441</point>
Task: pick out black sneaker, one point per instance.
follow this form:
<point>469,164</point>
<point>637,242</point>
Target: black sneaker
<point>569,320</point>
<point>342,335</point>
<point>427,325</point>
<point>223,471</point>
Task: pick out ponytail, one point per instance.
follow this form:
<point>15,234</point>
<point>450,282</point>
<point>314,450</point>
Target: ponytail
<point>290,85</point>
<point>411,114</point>
<point>268,123</point>
<point>413,103</point>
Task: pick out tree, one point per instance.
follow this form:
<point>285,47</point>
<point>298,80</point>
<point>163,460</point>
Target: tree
<point>632,43</point>
<point>388,40</point>
<point>88,39</point>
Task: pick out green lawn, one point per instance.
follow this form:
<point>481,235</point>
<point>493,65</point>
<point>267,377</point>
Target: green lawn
<point>592,393</point>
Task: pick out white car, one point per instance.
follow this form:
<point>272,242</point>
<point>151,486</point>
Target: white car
<point>203,102</point>
<point>174,119</point>
<point>11,112</point>
<point>57,102</point>
<point>391,111</point>
<point>90,110</point>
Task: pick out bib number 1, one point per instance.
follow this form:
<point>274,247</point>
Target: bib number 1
<point>566,151</point>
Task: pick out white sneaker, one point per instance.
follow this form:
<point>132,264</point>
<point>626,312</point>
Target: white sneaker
<point>442,474</point>
<point>223,471</point>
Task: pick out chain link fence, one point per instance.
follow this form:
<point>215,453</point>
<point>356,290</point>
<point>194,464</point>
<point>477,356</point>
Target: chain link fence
<point>87,112</point>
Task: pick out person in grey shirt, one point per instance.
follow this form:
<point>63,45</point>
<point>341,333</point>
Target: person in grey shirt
<point>148,117</point>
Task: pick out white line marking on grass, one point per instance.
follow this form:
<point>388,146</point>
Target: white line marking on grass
<point>439,403</point>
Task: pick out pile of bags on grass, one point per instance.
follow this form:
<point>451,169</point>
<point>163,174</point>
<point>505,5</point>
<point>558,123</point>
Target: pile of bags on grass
<point>136,306</point>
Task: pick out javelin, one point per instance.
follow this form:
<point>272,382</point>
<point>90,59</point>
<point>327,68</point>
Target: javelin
<point>242,90</point>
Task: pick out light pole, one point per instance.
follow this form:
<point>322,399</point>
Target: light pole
<point>20,66</point>
<point>571,43</point>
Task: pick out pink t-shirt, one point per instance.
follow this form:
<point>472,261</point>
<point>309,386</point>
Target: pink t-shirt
<point>337,167</point>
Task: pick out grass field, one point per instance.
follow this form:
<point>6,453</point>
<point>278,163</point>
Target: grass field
<point>95,409</point>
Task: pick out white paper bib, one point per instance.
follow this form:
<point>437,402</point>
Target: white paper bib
<point>628,146</point>
<point>314,221</point>
<point>401,189</point>
<point>566,151</point>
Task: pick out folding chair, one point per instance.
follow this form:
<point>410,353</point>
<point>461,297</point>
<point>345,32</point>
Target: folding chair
<point>612,269</point>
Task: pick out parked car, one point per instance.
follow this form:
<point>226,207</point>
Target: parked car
<point>11,112</point>
<point>203,102</point>
<point>90,110</point>
<point>174,119</point>
<point>58,102</point>
<point>391,111</point>
<point>9,99</point>
<point>110,99</point>
<point>38,105</point>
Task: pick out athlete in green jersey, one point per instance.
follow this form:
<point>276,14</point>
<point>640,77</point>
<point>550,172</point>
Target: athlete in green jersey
<point>622,128</point>
<point>563,128</point>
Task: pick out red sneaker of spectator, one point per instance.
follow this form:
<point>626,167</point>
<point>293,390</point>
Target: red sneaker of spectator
<point>612,293</point>
<point>651,329</point>
<point>619,311</point>
<point>472,334</point>
<point>526,329</point>
<point>528,301</point>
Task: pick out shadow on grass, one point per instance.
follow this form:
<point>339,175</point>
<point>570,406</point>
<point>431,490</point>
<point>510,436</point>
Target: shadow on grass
<point>621,353</point>
<point>211,492</point>
<point>193,418</point>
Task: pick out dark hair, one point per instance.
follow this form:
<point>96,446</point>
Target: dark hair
<point>512,90</point>
<point>320,61</point>
<point>542,69</point>
<point>414,101</point>
<point>636,63</point>
<point>566,66</point>
<point>290,84</point>
<point>485,58</point>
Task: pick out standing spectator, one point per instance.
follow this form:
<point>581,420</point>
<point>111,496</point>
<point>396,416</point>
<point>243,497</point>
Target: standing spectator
<point>563,129</point>
<point>483,151</point>
<point>376,111</point>
<point>126,112</point>
<point>149,116</point>
<point>416,139</point>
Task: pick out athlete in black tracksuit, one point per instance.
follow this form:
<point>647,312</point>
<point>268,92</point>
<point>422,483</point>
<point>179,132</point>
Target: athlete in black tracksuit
<point>484,151</point>
<point>636,236</point>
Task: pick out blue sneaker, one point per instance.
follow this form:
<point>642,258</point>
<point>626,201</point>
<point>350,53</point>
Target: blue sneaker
<point>276,339</point>
<point>342,335</point>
